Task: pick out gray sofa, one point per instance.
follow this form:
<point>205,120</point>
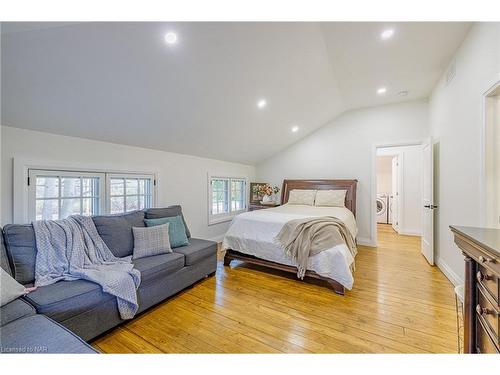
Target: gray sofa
<point>22,330</point>
<point>81,306</point>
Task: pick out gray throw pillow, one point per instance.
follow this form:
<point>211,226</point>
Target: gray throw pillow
<point>150,241</point>
<point>10,289</point>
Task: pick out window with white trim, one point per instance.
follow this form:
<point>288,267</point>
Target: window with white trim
<point>55,195</point>
<point>226,198</point>
<point>129,193</point>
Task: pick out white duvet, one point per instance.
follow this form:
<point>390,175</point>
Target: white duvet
<point>253,233</point>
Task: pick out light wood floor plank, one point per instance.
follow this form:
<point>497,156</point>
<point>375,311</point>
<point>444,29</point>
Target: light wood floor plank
<point>398,304</point>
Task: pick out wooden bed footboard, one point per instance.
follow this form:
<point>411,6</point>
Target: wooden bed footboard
<point>231,254</point>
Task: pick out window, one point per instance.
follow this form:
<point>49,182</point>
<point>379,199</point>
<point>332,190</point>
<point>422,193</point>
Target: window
<point>227,197</point>
<point>238,195</point>
<point>220,196</point>
<point>55,195</point>
<point>127,193</point>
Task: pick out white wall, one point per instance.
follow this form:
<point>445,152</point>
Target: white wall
<point>410,159</point>
<point>182,179</point>
<point>344,148</point>
<point>0,123</point>
<point>456,123</point>
<point>384,174</point>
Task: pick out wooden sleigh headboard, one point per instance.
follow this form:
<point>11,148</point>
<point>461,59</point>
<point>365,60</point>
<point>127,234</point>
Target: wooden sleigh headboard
<point>349,185</point>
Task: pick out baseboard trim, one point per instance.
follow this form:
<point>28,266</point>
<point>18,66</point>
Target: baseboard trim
<point>449,273</point>
<point>366,242</point>
<point>410,232</point>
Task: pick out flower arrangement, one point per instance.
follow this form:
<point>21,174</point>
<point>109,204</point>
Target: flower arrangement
<point>265,189</point>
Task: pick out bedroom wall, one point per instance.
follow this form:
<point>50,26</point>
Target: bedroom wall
<point>456,123</point>
<point>182,179</point>
<point>0,123</point>
<point>343,148</point>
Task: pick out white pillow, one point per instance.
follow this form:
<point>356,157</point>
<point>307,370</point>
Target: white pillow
<point>330,198</point>
<point>10,289</point>
<point>298,196</point>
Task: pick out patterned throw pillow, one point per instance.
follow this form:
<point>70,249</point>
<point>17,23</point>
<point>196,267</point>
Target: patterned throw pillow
<point>176,229</point>
<point>149,241</point>
<point>299,196</point>
<point>330,198</point>
<point>10,289</point>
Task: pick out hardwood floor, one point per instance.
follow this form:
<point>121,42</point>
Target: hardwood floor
<point>399,304</point>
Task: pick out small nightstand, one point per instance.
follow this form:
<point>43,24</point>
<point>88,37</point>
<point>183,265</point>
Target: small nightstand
<point>258,206</point>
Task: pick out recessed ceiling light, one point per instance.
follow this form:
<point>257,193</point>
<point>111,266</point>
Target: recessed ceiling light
<point>387,34</point>
<point>171,38</point>
<point>381,90</point>
<point>403,93</point>
<point>261,103</point>
<point>295,129</point>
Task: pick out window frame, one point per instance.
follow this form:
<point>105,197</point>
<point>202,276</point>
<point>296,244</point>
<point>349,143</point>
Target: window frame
<point>224,217</point>
<point>104,186</point>
<point>125,176</point>
<point>34,173</point>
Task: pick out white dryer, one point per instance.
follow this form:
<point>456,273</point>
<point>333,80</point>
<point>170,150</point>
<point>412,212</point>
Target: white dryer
<point>382,208</point>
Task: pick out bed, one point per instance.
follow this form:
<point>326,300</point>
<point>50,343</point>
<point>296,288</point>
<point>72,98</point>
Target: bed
<point>250,237</point>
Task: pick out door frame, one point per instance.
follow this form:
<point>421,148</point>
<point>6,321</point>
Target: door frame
<point>483,186</point>
<point>373,183</point>
<point>400,188</point>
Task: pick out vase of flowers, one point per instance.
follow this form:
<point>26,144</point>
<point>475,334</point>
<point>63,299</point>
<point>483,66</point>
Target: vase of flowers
<point>268,193</point>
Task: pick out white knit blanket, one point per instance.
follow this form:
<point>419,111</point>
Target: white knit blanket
<point>71,249</point>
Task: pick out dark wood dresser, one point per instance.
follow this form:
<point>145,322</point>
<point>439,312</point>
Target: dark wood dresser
<point>481,248</point>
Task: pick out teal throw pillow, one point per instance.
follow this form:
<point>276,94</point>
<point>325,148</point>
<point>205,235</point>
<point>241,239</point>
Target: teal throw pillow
<point>176,229</point>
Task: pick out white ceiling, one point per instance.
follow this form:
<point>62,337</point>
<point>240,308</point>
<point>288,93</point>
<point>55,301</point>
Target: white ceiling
<point>120,82</point>
<point>413,60</point>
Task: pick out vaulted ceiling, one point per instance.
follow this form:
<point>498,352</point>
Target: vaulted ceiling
<point>120,82</point>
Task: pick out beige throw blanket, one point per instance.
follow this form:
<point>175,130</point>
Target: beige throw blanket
<point>302,238</point>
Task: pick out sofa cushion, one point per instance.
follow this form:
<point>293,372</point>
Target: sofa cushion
<point>197,250</point>
<point>116,231</point>
<point>21,251</point>
<point>176,229</point>
<point>39,334</point>
<point>65,299</point>
<point>15,310</point>
<point>158,266</point>
<point>157,213</point>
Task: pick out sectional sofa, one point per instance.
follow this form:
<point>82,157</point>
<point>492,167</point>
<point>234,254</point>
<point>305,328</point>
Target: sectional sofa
<point>80,310</point>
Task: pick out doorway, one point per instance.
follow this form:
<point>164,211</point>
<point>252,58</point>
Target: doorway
<point>399,189</point>
<point>492,157</point>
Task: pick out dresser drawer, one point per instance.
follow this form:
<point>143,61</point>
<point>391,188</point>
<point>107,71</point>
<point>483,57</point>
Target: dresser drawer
<point>484,343</point>
<point>488,312</point>
<point>489,281</point>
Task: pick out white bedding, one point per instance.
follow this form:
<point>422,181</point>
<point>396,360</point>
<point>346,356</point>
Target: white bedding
<point>253,233</point>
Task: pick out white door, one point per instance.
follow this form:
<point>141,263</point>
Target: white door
<point>428,202</point>
<point>395,194</point>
